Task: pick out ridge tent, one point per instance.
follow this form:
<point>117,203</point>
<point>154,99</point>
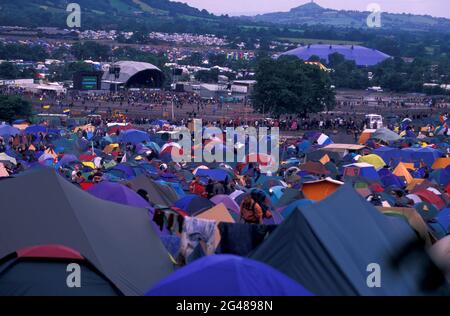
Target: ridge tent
<point>402,171</point>
<point>327,247</point>
<point>57,212</point>
<point>227,275</point>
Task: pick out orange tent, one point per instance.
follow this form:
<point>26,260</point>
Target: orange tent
<point>321,189</point>
<point>402,171</point>
<point>220,214</point>
<point>441,163</point>
<point>365,136</point>
<point>415,182</point>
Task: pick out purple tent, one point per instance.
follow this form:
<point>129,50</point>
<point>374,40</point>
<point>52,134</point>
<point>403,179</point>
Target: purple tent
<point>229,203</point>
<point>118,193</point>
<point>227,275</point>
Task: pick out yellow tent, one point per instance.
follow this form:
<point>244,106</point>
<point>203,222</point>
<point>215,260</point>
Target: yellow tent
<point>218,213</point>
<point>441,163</point>
<point>89,164</point>
<point>402,171</point>
<point>110,148</point>
<point>373,160</point>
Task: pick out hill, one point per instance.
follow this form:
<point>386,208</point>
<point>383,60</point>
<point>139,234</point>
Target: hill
<point>127,14</point>
<point>313,14</point>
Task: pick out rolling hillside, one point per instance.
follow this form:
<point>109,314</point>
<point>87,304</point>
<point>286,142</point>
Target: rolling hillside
<point>313,14</point>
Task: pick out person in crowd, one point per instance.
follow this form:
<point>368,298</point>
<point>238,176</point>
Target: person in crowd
<point>250,211</point>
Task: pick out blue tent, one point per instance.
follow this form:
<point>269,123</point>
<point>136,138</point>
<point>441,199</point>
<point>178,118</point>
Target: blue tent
<point>387,153</point>
<point>7,130</point>
<point>193,204</point>
<point>295,205</point>
<point>392,180</point>
<point>35,129</point>
<point>427,155</point>
<point>214,174</point>
<point>361,169</point>
<point>227,275</point>
<point>444,218</point>
<point>134,136</point>
<point>328,246</point>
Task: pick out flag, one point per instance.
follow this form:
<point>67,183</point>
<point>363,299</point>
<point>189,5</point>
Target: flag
<point>124,158</point>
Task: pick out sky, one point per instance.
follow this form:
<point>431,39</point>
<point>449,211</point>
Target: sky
<point>439,8</point>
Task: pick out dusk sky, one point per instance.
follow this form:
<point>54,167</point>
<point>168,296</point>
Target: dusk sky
<point>432,7</point>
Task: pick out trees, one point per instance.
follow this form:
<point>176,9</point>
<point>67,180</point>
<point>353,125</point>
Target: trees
<point>346,74</point>
<point>8,71</point>
<point>91,50</point>
<point>288,86</point>
<point>13,108</point>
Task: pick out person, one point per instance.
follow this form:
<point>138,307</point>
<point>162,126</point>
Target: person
<point>195,187</point>
<point>250,211</point>
<point>97,177</point>
<point>74,173</point>
<point>79,178</point>
<point>209,189</point>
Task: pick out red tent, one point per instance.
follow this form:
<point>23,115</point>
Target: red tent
<point>432,198</point>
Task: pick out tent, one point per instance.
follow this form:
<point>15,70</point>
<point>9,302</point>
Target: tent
<point>5,158</point>
<point>427,155</point>
<point>361,169</point>
<point>388,154</point>
<point>402,171</point>
<point>385,135</point>
<point>229,203</point>
<point>328,246</point>
<point>314,168</point>
<point>134,136</point>
<point>214,174</point>
<point>37,271</point>
<point>220,214</point>
<point>430,197</point>
<point>56,212</point>
<point>118,193</point>
<point>373,160</point>
<point>365,136</point>
<point>193,204</point>
<point>227,275</point>
<point>8,130</point>
<point>414,219</point>
<point>441,163</point>
<point>158,194</point>
<point>320,189</point>
<point>3,171</point>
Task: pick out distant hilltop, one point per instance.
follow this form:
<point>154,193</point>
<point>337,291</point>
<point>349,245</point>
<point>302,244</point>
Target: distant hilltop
<point>311,13</point>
